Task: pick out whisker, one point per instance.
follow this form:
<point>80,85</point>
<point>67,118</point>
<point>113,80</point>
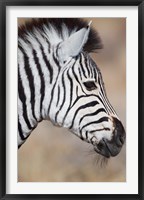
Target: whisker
<point>100,161</point>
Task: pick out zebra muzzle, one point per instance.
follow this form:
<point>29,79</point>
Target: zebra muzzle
<point>112,147</point>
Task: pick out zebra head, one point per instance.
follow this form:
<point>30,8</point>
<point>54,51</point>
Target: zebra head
<point>81,104</point>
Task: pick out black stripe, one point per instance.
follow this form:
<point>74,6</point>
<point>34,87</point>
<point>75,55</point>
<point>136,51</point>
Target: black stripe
<point>92,114</point>
<point>101,84</point>
<point>101,129</point>
<point>50,69</point>
<point>20,130</point>
<point>106,99</point>
<point>90,104</point>
<point>71,95</point>
<point>42,89</point>
<point>23,100</point>
<point>57,63</point>
<point>95,122</point>
<point>86,135</point>
<point>71,87</point>
<point>81,65</point>
<point>77,91</point>
<point>52,95</point>
<point>82,96</point>
<point>57,48</point>
<point>94,68</point>
<point>102,89</point>
<point>95,72</point>
<point>107,103</point>
<point>64,96</point>
<point>91,66</point>
<point>77,78</point>
<point>49,45</point>
<point>87,66</point>
<point>52,92</point>
<point>80,73</point>
<point>85,96</point>
<point>58,96</point>
<point>81,136</point>
<point>104,103</point>
<point>30,79</point>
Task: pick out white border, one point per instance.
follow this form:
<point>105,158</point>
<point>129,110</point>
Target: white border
<point>129,187</point>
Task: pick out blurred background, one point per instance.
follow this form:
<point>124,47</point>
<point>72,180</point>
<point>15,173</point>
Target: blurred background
<point>54,154</point>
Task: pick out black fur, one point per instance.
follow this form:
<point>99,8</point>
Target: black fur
<point>92,45</point>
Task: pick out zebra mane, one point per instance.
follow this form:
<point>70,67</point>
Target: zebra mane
<point>57,29</point>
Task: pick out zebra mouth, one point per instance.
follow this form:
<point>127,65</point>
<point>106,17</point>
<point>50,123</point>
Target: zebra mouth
<point>103,149</point>
<point>107,148</point>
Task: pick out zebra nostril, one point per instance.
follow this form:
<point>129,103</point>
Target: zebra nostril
<point>103,149</point>
<point>100,145</point>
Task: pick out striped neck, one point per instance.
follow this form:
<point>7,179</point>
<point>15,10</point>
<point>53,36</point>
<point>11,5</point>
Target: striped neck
<point>38,70</point>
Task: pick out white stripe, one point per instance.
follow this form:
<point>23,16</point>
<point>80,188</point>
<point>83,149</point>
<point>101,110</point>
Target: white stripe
<point>84,67</point>
<point>44,68</point>
<point>37,82</point>
<point>24,126</point>
<point>26,87</point>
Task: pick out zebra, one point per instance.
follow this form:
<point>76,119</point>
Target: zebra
<point>59,81</point>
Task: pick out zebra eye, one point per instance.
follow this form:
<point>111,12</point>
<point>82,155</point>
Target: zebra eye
<point>90,85</point>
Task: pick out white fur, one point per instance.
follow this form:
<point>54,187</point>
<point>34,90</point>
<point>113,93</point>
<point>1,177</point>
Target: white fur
<point>25,83</point>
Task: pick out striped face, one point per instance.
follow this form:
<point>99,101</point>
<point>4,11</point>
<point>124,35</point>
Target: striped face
<point>82,106</point>
<point>59,81</point>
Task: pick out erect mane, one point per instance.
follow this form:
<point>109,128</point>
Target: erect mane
<point>60,29</point>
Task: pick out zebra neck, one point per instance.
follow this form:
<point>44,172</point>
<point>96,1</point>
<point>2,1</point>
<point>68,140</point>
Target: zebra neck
<point>37,73</point>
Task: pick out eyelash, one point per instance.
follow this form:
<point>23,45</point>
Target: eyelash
<point>90,85</point>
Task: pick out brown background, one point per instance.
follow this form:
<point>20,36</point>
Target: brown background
<point>55,154</point>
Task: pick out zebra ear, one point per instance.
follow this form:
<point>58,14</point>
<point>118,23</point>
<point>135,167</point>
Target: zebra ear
<point>72,46</point>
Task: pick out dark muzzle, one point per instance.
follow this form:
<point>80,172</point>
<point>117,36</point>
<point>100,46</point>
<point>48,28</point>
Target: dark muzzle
<point>112,147</point>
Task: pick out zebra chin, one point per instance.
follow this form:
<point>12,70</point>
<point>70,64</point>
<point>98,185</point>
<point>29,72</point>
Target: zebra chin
<point>111,148</point>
